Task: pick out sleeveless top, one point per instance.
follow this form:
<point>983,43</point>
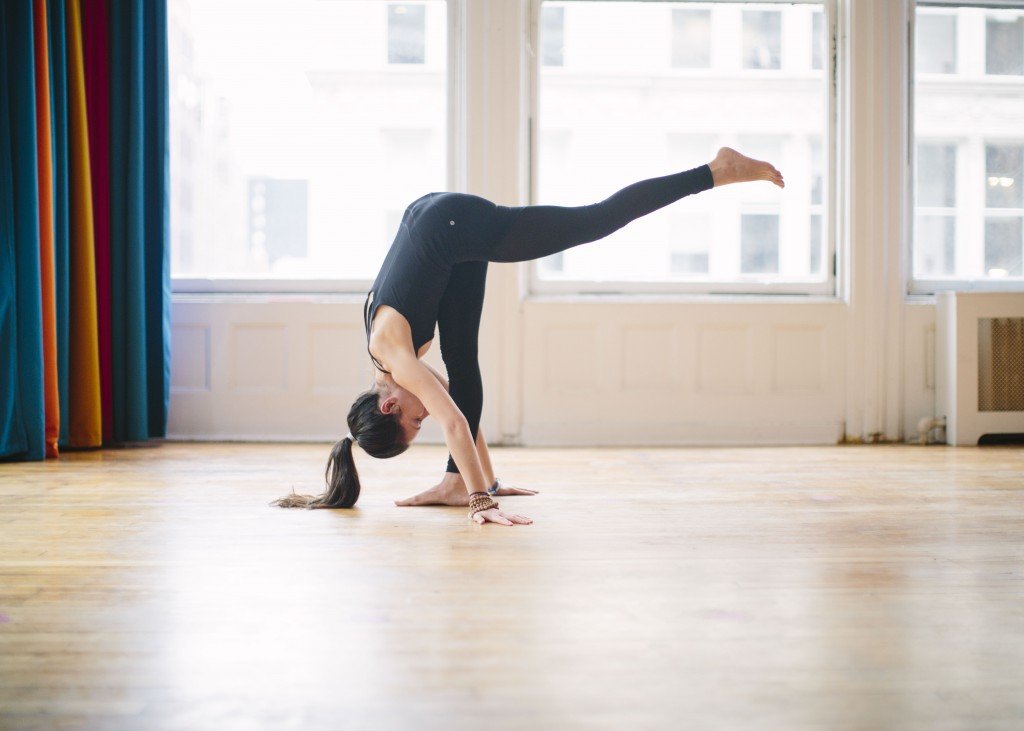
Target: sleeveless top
<point>415,271</point>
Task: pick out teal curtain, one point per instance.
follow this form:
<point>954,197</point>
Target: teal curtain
<point>139,255</point>
<point>22,418</point>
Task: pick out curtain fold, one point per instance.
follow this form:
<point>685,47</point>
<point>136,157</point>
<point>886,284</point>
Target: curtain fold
<point>86,429</point>
<point>55,15</point>
<point>22,414</point>
<point>97,93</point>
<point>44,159</point>
<point>84,261</point>
<point>140,277</point>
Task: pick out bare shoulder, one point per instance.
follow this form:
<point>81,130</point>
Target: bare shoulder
<point>390,335</point>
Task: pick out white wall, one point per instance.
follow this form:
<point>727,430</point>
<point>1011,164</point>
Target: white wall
<point>610,370</point>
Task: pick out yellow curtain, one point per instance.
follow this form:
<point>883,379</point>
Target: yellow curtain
<point>85,426</point>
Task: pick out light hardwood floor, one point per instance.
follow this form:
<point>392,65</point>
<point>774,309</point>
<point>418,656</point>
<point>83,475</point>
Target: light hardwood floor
<point>774,588</point>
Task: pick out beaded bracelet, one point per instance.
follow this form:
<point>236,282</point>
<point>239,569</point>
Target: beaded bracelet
<point>480,501</point>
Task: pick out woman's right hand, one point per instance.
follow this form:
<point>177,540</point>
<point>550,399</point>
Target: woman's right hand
<point>494,515</point>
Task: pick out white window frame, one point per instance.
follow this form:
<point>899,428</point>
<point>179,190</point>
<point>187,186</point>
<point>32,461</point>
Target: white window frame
<point>744,285</point>
<point>930,286</point>
<point>454,177</point>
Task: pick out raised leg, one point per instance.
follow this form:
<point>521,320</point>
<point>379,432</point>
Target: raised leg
<point>539,231</point>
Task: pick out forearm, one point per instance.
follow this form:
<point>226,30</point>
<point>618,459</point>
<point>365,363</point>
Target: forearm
<point>464,452</point>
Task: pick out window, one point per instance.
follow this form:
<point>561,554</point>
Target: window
<point>935,199</point>
<point>691,243</point>
<point>406,33</point>
<point>762,39</point>
<point>1004,210</point>
<point>759,244</point>
<point>969,147</point>
<point>818,40</point>
<point>290,166</point>
<point>552,51</point>
<point>935,43</point>
<point>691,38</point>
<point>1004,44</point>
<point>630,115</point>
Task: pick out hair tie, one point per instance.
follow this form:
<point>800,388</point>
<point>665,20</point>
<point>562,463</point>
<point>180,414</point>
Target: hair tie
<point>349,436</point>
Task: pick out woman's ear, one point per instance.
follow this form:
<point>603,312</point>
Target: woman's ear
<point>389,405</point>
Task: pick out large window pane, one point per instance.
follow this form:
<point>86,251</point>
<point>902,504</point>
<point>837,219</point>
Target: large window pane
<point>297,163</point>
<point>691,38</point>
<point>631,116</point>
<point>969,147</point>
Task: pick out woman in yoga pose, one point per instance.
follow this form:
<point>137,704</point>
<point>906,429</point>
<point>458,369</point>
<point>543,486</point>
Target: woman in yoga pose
<point>434,275</point>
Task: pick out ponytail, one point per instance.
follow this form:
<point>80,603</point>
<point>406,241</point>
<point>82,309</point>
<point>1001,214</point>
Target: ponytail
<point>379,435</point>
<point>342,483</point>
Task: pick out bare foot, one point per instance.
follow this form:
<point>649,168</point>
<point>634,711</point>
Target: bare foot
<point>730,166</point>
<point>452,491</point>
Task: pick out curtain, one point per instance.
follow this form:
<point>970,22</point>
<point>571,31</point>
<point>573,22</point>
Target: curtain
<point>84,260</point>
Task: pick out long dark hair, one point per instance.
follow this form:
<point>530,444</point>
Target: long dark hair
<point>380,435</point>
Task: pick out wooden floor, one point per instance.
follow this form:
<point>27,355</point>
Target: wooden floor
<point>774,588</point>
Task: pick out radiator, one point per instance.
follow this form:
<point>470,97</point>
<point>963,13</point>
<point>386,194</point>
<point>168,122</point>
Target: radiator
<point>979,368</point>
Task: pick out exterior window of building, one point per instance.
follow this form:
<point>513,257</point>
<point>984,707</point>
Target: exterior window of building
<point>935,218</point>
<point>969,147</point>
<point>935,43</point>
<point>691,247</point>
<point>1004,209</point>
<point>277,219</point>
<point>627,122</point>
<point>407,33</point>
<point>818,40</point>
<point>817,243</point>
<point>1004,46</point>
<point>298,161</point>
<point>691,38</point>
<point>762,39</point>
<point>759,243</point>
<point>552,34</point>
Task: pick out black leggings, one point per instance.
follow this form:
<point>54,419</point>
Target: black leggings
<point>536,232</point>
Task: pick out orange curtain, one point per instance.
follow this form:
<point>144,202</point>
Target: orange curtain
<point>51,395</point>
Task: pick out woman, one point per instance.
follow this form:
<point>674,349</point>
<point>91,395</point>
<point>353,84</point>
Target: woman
<point>434,275</point>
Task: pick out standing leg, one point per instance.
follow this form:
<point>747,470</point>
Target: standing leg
<point>458,323</point>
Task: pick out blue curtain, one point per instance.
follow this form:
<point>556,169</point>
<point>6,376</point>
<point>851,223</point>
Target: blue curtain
<point>22,417</point>
<point>55,13</point>
<point>139,255</point>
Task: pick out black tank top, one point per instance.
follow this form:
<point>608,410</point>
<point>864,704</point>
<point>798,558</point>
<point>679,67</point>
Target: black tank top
<point>437,231</point>
<point>415,271</point>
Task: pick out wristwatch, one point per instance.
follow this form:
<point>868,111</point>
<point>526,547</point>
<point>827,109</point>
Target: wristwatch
<point>493,489</point>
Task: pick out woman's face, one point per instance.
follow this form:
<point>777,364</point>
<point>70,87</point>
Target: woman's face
<point>408,408</point>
